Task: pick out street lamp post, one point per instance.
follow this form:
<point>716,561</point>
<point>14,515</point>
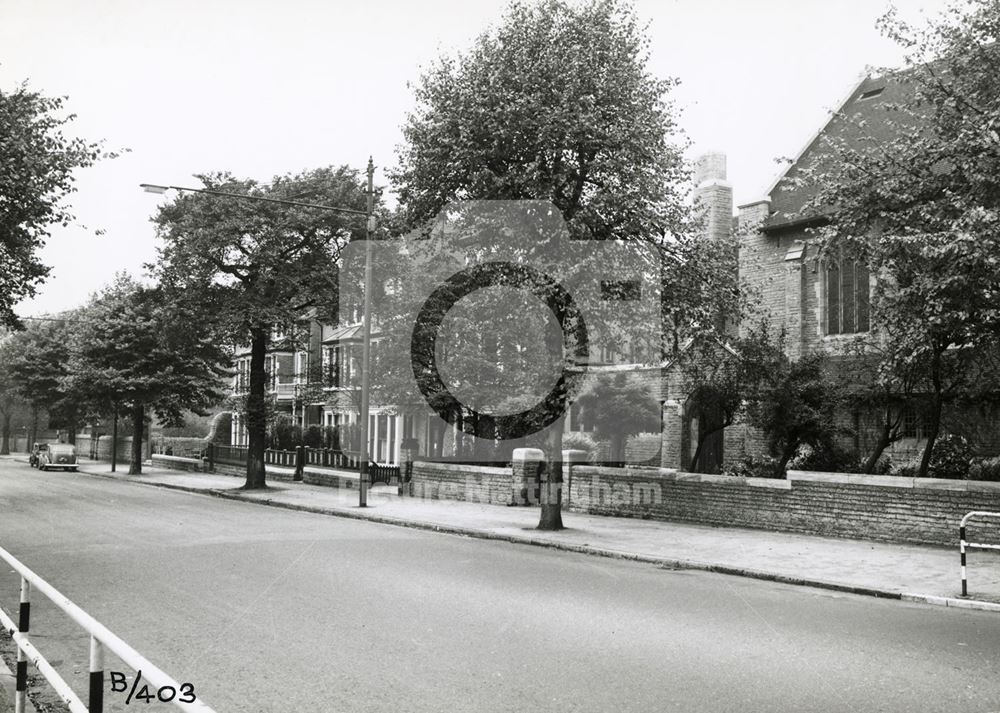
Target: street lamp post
<point>369,214</point>
<point>366,343</point>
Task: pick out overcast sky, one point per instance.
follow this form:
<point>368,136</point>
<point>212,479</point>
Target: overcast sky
<point>262,88</point>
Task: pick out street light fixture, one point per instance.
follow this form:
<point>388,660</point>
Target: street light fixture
<point>369,214</point>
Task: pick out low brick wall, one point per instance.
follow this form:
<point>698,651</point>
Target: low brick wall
<point>468,483</point>
<point>192,465</point>
<point>887,508</point>
<point>104,444</point>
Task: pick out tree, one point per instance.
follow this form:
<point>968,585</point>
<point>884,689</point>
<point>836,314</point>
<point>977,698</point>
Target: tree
<point>881,398</point>
<point>922,208</point>
<point>721,377</point>
<point>619,407</point>
<point>555,103</point>
<point>38,364</point>
<point>795,406</point>
<point>38,162</point>
<point>11,403</point>
<point>250,266</point>
<point>141,351</point>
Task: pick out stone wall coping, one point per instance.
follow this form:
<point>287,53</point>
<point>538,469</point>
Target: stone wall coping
<point>532,454</point>
<point>666,473</point>
<point>773,483</point>
<point>462,468</point>
<point>574,456</point>
<point>816,476</point>
<point>889,481</point>
<point>895,481</point>
<point>175,459</point>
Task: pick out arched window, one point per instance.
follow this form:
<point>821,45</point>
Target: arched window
<point>847,297</point>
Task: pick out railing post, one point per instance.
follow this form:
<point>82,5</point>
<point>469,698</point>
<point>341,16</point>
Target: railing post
<point>23,625</point>
<point>961,550</point>
<point>211,457</point>
<point>96,699</point>
<point>300,462</point>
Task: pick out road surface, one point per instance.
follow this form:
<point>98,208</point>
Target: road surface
<point>264,609</point>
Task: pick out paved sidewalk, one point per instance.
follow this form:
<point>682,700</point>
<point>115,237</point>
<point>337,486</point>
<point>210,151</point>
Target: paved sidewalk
<point>912,572</point>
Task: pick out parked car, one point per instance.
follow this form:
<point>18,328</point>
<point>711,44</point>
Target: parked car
<point>57,455</point>
<point>35,450</point>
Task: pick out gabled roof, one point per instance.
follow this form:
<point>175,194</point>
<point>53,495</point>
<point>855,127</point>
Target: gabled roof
<point>861,117</point>
<point>351,332</point>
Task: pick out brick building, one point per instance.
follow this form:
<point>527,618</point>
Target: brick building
<point>822,305</point>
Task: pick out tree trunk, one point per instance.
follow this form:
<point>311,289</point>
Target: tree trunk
<point>138,426</point>
<point>786,456</point>
<point>933,430</point>
<point>617,448</point>
<point>935,416</point>
<point>885,439</point>
<point>5,443</point>
<point>114,441</point>
<point>256,410</point>
<point>71,435</point>
<point>34,427</point>
<point>551,481</point>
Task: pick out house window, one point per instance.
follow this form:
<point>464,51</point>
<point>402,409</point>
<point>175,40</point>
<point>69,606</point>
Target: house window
<point>912,425</point>
<point>331,367</point>
<point>847,298</point>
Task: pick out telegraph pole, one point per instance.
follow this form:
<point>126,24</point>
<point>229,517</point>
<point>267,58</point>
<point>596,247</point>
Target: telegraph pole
<point>366,340</point>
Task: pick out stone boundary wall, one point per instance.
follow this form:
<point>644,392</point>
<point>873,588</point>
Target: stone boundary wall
<point>468,483</point>
<point>104,444</point>
<point>873,507</point>
<point>886,508</point>
<point>192,465</point>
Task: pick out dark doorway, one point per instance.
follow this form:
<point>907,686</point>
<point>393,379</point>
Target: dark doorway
<point>708,458</point>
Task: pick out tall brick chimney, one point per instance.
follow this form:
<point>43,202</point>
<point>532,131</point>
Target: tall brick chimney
<point>714,194</point>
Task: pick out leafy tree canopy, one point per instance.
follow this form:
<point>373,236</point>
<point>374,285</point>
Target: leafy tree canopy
<point>256,264</point>
<point>554,103</point>
<point>140,346</point>
<point>38,161</point>
<point>619,406</point>
<point>249,266</point>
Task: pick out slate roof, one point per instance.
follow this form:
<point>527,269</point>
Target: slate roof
<point>348,333</point>
<point>871,103</point>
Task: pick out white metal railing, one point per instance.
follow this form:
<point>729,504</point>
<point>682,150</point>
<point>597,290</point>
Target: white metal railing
<point>964,545</point>
<point>100,638</point>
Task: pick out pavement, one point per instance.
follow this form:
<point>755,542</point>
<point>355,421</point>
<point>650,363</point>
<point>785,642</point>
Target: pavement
<point>915,573</point>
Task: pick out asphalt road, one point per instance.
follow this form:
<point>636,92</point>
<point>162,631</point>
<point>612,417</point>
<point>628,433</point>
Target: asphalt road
<point>264,609</point>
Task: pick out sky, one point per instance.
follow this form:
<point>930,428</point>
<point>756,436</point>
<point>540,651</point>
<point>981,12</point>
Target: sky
<point>265,88</point>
